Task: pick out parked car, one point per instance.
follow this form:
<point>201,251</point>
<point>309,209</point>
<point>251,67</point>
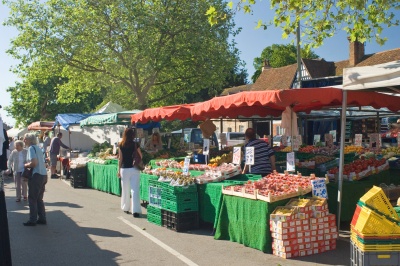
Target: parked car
<point>234,138</point>
<point>277,140</point>
<point>194,135</point>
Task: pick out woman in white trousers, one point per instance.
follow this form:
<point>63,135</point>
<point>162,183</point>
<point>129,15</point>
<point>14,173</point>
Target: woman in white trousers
<point>130,175</point>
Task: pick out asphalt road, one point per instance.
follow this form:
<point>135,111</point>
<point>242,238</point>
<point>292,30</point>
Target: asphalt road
<point>87,227</point>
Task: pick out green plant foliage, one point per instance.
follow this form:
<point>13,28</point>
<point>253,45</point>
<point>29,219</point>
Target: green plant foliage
<point>279,55</point>
<point>144,51</point>
<point>321,19</point>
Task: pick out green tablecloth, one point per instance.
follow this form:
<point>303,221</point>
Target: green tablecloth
<point>103,177</point>
<point>352,192</point>
<point>246,221</point>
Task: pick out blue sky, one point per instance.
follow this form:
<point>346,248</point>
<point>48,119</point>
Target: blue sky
<point>250,42</point>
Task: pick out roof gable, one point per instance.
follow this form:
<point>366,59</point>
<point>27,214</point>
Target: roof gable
<point>318,68</point>
<point>276,78</point>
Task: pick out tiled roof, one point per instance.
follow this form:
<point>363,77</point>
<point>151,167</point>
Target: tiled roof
<point>276,78</point>
<point>237,89</point>
<point>370,60</point>
<point>319,68</point>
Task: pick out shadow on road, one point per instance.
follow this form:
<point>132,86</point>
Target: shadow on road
<point>63,204</point>
<point>103,232</point>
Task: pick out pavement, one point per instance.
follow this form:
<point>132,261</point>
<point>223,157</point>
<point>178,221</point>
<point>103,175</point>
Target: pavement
<point>87,227</point>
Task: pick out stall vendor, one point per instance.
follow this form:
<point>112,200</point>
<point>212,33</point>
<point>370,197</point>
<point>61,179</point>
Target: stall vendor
<point>264,156</point>
<point>154,144</point>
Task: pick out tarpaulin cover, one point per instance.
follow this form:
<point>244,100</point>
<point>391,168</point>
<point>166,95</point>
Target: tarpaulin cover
<point>120,118</point>
<point>274,102</point>
<point>180,112</point>
<point>67,120</point>
<point>41,125</point>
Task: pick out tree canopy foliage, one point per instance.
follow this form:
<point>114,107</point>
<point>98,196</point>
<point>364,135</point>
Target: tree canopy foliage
<point>321,19</point>
<point>279,55</point>
<point>147,52</point>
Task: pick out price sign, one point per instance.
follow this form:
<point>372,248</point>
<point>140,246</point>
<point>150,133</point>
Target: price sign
<point>186,165</point>
<point>333,133</point>
<point>296,142</point>
<point>317,138</point>
<point>249,155</point>
<point>284,140</point>
<point>139,133</point>
<point>290,161</point>
<point>328,140</point>
<point>222,137</point>
<point>375,140</point>
<point>358,140</point>
<point>191,146</point>
<point>206,147</point>
<point>319,188</point>
<point>237,155</point>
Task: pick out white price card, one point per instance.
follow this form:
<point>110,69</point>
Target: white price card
<point>206,147</point>
<point>237,155</point>
<point>296,142</point>
<point>319,188</point>
<point>328,140</point>
<point>191,146</point>
<point>222,137</point>
<point>317,138</point>
<point>284,140</point>
<point>249,155</point>
<point>375,140</point>
<point>290,162</point>
<point>186,165</point>
<point>333,133</point>
<point>358,140</point>
<point>139,133</point>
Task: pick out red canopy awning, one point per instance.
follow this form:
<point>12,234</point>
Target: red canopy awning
<point>41,125</point>
<point>264,103</point>
<point>180,112</point>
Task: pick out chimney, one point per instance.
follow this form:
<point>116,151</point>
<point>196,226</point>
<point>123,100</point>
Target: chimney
<point>357,52</point>
<point>266,65</point>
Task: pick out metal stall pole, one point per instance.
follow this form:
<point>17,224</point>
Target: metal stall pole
<point>341,160</point>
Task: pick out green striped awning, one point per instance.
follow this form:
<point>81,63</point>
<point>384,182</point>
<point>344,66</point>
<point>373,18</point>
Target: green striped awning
<point>120,118</point>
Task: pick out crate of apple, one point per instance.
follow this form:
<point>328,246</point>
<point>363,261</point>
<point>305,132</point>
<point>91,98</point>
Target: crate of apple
<point>359,166</point>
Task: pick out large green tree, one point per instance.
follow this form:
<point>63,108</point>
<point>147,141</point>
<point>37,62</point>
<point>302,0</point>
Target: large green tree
<point>279,55</point>
<point>150,50</point>
<point>321,19</point>
<point>36,100</point>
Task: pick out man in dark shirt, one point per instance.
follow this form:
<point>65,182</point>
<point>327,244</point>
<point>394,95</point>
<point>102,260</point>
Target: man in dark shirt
<point>264,156</point>
<point>54,151</point>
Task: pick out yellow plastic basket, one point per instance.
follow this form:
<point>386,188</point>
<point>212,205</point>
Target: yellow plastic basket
<point>375,198</point>
<point>375,235</point>
<point>376,247</point>
<point>370,222</point>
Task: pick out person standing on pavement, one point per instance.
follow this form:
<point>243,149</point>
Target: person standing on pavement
<point>54,152</point>
<point>46,143</point>
<point>264,156</point>
<point>130,175</point>
<point>37,183</point>
<point>15,164</point>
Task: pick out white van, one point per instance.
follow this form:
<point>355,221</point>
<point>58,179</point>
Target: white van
<point>234,138</point>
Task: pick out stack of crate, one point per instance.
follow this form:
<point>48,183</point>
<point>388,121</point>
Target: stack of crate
<point>174,207</point>
<point>375,231</point>
<point>303,227</point>
<point>78,177</point>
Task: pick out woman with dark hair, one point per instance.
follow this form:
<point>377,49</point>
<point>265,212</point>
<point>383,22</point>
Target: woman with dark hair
<point>130,175</point>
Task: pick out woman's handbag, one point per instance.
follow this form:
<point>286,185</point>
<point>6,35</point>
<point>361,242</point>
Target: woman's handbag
<point>137,160</point>
<point>27,173</point>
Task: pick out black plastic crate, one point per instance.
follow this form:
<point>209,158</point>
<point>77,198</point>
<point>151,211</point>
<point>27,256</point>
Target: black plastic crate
<point>81,171</point>
<point>78,182</point>
<point>180,222</point>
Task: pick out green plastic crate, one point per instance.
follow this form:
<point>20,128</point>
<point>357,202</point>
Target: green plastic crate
<point>155,219</point>
<point>153,210</point>
<point>167,188</point>
<point>181,197</point>
<point>176,207</point>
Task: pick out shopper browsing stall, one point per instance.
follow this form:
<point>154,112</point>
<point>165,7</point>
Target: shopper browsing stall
<point>54,152</point>
<point>130,175</point>
<point>264,156</point>
<point>154,144</point>
<point>15,164</point>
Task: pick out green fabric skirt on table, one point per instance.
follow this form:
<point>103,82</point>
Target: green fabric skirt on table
<point>103,177</point>
<point>246,221</point>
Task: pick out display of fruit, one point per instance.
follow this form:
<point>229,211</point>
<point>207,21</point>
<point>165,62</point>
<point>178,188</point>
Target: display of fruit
<point>392,150</point>
<point>353,149</point>
<point>307,149</point>
<point>224,158</point>
<point>358,166</point>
